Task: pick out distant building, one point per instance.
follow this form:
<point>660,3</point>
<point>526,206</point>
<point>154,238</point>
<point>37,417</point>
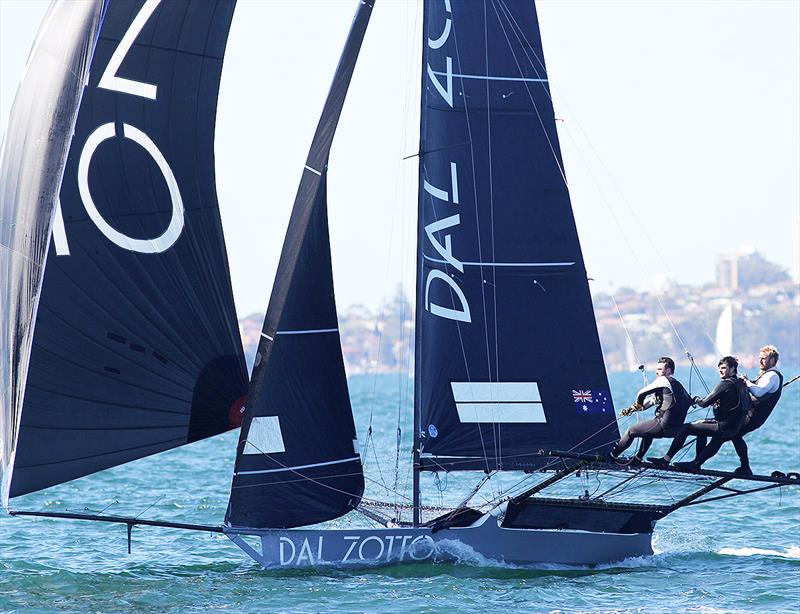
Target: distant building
<point>746,270</point>
<point>750,296</point>
<point>728,273</point>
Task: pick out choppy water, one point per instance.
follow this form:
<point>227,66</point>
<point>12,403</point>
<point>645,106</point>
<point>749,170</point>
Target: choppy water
<point>734,555</point>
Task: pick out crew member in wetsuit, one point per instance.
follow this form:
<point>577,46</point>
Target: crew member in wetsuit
<point>765,391</point>
<point>671,401</point>
<point>728,415</point>
<point>764,394</point>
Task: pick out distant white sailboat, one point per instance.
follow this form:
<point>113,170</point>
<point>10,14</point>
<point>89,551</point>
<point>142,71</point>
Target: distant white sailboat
<point>723,337</point>
<point>631,364</point>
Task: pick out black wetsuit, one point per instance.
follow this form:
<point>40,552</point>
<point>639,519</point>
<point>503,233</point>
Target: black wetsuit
<point>672,403</point>
<point>728,417</point>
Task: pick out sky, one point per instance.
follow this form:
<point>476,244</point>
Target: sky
<point>679,124</point>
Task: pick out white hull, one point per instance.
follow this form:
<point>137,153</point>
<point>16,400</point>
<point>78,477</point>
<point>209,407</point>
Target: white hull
<point>485,538</point>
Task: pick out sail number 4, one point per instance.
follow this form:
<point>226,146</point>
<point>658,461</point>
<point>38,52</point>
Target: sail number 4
<point>111,81</point>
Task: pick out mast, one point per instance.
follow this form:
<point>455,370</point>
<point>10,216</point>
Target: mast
<point>416,423</point>
<point>416,498</point>
<point>415,454</point>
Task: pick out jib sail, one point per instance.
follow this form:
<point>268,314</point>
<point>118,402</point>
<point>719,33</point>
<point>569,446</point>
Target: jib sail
<point>298,462</point>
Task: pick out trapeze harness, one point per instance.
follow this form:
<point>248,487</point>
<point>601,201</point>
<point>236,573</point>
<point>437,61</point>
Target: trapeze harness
<point>762,406</point>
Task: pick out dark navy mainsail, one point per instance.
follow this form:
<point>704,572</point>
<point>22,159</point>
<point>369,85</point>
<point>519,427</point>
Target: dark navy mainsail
<point>298,462</point>
<point>508,359</point>
<point>136,347</point>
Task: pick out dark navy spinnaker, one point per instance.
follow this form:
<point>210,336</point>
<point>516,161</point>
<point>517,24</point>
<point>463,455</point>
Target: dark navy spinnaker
<point>136,346</point>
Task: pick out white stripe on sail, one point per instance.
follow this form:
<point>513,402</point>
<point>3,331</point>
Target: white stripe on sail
<point>498,402</point>
<point>491,77</point>
<point>501,413</point>
<point>59,232</point>
<point>477,392</point>
<point>295,468</point>
<point>310,331</point>
<point>521,264</point>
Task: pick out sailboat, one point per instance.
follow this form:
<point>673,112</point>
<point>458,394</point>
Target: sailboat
<point>723,337</point>
<point>123,328</point>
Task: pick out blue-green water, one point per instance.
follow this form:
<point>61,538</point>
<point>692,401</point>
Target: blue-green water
<point>740,554</point>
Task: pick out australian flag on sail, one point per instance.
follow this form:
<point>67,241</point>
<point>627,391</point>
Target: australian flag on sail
<point>593,401</point>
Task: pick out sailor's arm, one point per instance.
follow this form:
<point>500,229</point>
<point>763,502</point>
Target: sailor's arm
<point>712,396</point>
<point>645,398</point>
<point>649,390</point>
<point>767,383</point>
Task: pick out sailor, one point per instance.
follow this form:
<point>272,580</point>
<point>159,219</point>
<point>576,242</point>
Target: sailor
<point>766,392</point>
<point>727,398</point>
<point>671,401</point>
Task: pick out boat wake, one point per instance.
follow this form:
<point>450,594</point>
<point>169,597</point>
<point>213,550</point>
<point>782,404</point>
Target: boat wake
<point>454,551</point>
<point>792,552</point>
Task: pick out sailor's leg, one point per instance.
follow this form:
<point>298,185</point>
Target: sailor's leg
<point>678,441</point>
<point>699,444</point>
<point>702,427</point>
<point>623,443</point>
<point>741,450</point>
<point>710,450</point>
<point>648,428</point>
<point>644,446</point>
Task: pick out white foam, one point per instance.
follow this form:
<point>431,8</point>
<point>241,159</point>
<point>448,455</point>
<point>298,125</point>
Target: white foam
<point>792,552</point>
<point>631,562</point>
<point>459,552</point>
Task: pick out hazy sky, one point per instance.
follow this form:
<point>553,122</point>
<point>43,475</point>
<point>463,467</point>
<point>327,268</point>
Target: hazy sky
<point>681,118</point>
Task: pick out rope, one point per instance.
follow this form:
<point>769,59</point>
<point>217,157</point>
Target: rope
<point>490,174</point>
<point>480,249</point>
<point>630,340</point>
<point>522,39</point>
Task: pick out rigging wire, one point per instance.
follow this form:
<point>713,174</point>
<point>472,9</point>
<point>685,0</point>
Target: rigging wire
<point>407,245</point>
<point>677,334</point>
<point>516,59</point>
<point>479,245</point>
<point>519,33</point>
<point>495,427</point>
<point>640,366</point>
<point>630,340</point>
<point>401,191</point>
<point>149,506</point>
